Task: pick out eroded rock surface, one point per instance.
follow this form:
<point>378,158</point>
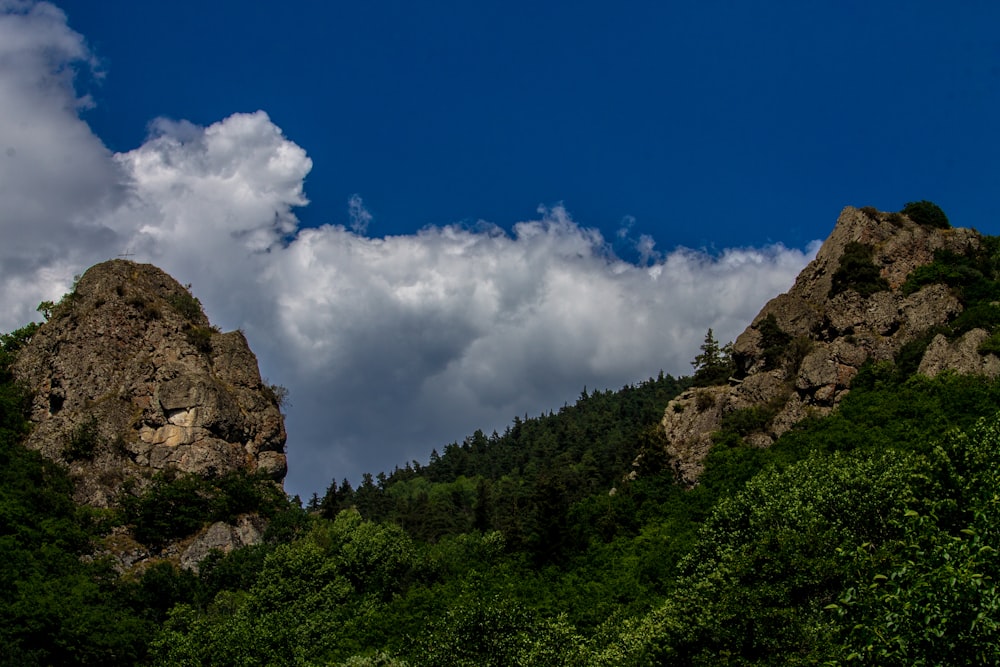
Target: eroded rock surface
<point>129,378</point>
<point>831,337</point>
<point>961,355</point>
<point>222,537</point>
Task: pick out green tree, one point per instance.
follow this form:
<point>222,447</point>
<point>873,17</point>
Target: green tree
<point>773,341</point>
<point>857,271</point>
<point>932,597</point>
<point>926,213</point>
<point>60,604</point>
<point>313,600</point>
<point>714,365</point>
<point>483,630</point>
<point>754,588</point>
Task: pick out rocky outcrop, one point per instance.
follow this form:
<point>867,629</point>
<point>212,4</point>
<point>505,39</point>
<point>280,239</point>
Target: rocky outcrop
<point>128,379</point>
<point>961,356</point>
<point>827,336</point>
<point>222,537</point>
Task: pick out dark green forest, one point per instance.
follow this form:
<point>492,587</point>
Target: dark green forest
<point>869,536</point>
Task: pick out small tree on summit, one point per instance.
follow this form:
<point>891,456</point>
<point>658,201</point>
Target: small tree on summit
<point>714,365</point>
<point>926,213</point>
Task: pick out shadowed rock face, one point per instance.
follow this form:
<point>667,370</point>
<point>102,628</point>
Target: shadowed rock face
<point>830,336</point>
<point>128,379</point>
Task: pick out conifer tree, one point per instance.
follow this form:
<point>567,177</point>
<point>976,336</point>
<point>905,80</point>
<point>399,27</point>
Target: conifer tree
<point>714,365</point>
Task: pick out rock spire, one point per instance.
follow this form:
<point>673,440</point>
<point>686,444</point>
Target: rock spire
<point>129,378</point>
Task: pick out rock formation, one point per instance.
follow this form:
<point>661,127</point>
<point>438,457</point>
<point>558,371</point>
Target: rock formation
<point>129,379</point>
<point>828,334</point>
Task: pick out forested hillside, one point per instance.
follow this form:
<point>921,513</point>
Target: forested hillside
<point>525,482</point>
<point>868,535</point>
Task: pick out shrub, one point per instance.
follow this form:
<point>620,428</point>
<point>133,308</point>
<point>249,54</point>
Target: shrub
<point>83,442</point>
<point>748,420</point>
<point>926,213</point>
<point>912,353</point>
<point>703,400</point>
<point>10,344</point>
<point>177,505</point>
<point>871,213</point>
<point>188,306</point>
<point>200,338</point>
<point>798,348</point>
<point>991,345</point>
<point>773,341</point>
<point>952,269</point>
<point>171,508</point>
<point>857,271</point>
<point>979,316</point>
<point>277,393</point>
<point>147,309</point>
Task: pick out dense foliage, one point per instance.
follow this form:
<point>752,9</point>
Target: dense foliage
<point>926,213</point>
<point>175,505</point>
<point>57,608</point>
<point>857,271</point>
<point>869,536</point>
<point>63,603</point>
<point>772,559</point>
<point>974,278</point>
<point>522,482</point>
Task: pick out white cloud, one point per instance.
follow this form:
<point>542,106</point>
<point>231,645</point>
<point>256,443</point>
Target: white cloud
<point>409,342</point>
<point>228,187</point>
<point>389,346</point>
<point>360,216</point>
<point>55,175</point>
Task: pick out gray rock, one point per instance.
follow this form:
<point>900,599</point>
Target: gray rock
<point>222,537</point>
<point>130,356</point>
<point>961,356</point>
<point>832,337</point>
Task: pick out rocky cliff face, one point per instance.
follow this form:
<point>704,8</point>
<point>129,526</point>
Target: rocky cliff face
<point>129,379</point>
<point>828,334</point>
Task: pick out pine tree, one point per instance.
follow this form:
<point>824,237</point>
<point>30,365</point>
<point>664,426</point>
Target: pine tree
<point>714,365</point>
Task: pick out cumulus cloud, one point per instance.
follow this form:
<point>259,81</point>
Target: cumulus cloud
<point>389,346</point>
<point>55,175</point>
<point>410,342</point>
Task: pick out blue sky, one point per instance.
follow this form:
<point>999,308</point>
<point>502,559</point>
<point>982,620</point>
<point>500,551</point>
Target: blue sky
<point>431,217</point>
<point>703,121</point>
